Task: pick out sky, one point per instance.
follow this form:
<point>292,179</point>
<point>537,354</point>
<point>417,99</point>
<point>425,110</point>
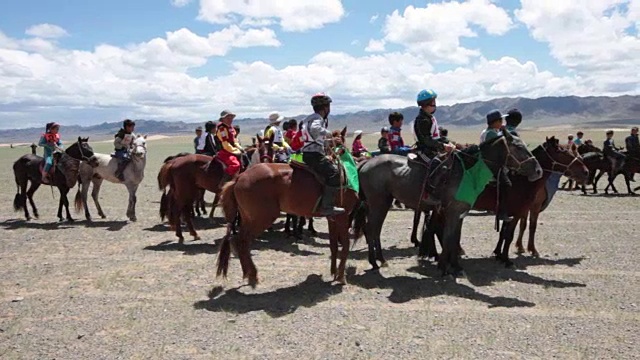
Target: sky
<point>88,62</point>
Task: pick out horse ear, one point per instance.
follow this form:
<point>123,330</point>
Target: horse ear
<point>145,136</point>
<point>344,132</point>
<point>79,139</point>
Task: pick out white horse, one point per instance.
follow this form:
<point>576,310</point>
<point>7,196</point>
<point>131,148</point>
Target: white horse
<point>103,167</point>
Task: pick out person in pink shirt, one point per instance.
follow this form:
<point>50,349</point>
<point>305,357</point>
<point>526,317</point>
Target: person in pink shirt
<point>357,149</point>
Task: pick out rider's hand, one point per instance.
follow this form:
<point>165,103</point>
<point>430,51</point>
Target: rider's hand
<point>449,147</point>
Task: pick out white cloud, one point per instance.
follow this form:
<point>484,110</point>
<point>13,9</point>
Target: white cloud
<point>46,31</point>
<point>591,37</point>
<point>180,3</point>
<point>373,18</point>
<point>299,15</point>
<point>375,46</point>
<point>435,30</point>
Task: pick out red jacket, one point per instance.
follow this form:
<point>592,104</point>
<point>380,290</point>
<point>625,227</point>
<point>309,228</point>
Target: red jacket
<point>297,142</point>
<point>395,139</point>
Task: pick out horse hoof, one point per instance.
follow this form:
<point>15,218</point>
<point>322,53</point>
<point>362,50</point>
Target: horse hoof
<point>341,280</point>
<point>180,241</point>
<point>535,254</point>
<point>253,281</point>
<point>520,251</point>
<point>384,264</point>
<point>133,219</point>
<point>103,216</point>
<point>71,220</point>
<point>196,238</point>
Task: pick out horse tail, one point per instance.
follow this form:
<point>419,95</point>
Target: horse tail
<point>78,200</point>
<point>229,202</point>
<point>164,205</point>
<point>230,209</point>
<point>360,218</point>
<point>19,199</point>
<point>163,176</point>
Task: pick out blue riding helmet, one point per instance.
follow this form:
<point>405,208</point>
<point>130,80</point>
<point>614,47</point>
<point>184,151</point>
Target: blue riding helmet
<point>425,95</point>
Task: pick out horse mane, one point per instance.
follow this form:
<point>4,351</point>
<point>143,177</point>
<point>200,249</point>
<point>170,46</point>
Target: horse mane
<point>590,155</point>
<point>169,158</point>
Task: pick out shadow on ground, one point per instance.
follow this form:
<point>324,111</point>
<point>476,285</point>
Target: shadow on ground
<point>276,303</point>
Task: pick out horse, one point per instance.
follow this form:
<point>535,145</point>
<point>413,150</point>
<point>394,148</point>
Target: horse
<point>259,195</point>
<point>631,166</point>
<point>391,176</point>
<point>65,175</point>
<point>524,198</point>
<point>294,225</point>
<point>103,167</point>
<point>186,177</point>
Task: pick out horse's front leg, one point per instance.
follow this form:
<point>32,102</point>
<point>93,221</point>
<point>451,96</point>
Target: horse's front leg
<point>60,205</point>
<point>131,209</point>
<point>64,195</point>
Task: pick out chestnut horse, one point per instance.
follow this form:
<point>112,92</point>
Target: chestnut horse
<point>259,195</point>
<point>186,176</point>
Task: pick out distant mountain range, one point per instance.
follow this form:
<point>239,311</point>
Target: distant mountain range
<point>598,111</point>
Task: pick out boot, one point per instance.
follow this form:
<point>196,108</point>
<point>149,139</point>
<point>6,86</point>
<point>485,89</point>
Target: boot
<point>327,207</point>
<point>435,175</point>
<point>120,170</point>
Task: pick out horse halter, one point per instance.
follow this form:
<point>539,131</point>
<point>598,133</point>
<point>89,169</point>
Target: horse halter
<point>82,155</point>
<point>554,163</point>
<point>136,146</point>
<point>512,157</point>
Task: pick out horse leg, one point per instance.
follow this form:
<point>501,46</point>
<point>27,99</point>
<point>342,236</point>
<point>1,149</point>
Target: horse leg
<point>333,246</point>
<point>242,245</point>
<point>131,209</point>
<point>523,227</point>
<point>509,229</point>
<point>60,205</point>
<point>501,236</point>
<point>63,195</point>
<point>449,242</point>
<point>287,224</point>
<point>95,193</point>
<point>216,199</point>
<point>342,228</point>
<point>595,181</point>
<point>533,224</point>
<point>32,189</point>
<point>378,213</point>
<point>310,228</point>
<point>189,221</point>
<point>203,205</point>
<point>414,229</point>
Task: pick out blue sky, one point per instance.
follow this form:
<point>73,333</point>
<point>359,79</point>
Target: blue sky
<point>517,48</point>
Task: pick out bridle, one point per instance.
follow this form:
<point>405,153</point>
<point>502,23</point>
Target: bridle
<point>555,163</point>
<point>82,155</point>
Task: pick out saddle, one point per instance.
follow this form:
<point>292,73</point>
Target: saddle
<point>299,166</point>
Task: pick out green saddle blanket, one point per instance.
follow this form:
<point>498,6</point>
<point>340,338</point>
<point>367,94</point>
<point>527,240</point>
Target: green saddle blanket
<point>349,166</point>
<point>474,180</point>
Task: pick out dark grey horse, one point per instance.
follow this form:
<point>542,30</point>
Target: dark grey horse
<point>387,177</point>
<point>27,168</point>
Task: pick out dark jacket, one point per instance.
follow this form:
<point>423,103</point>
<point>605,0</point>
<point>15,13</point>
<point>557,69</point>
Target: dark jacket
<point>422,128</point>
<point>632,144</point>
<point>209,145</point>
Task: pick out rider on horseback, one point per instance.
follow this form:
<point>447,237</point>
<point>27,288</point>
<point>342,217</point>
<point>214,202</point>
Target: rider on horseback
<point>279,145</point>
<point>395,138</point>
<point>227,146</point>
<point>313,154</point>
<point>613,154</point>
<point>122,144</point>
<point>494,130</point>
<point>50,140</point>
<point>429,143</point>
<point>513,119</point>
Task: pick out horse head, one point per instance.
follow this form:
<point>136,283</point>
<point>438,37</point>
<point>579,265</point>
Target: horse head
<point>139,147</point>
<point>555,158</point>
<point>80,150</point>
<point>512,152</point>
<point>265,148</point>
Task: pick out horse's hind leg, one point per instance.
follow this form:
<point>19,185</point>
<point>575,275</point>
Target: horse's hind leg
<point>287,224</point>
<point>64,194</point>
<point>342,236</point>
<point>32,189</point>
<point>95,192</point>
<point>189,221</point>
<point>533,224</point>
<point>216,199</point>
<point>333,246</point>
<point>242,242</point>
<point>523,227</point>
<point>378,213</point>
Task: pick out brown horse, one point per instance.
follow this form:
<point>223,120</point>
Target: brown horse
<point>186,176</point>
<point>259,195</point>
<point>523,198</point>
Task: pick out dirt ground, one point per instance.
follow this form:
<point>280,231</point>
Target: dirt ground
<point>118,290</point>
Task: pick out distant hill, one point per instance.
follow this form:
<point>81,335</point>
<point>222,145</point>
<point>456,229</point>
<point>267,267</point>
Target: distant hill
<point>587,112</point>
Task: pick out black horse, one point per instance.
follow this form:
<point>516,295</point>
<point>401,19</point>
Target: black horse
<point>387,177</point>
<point>27,169</point>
